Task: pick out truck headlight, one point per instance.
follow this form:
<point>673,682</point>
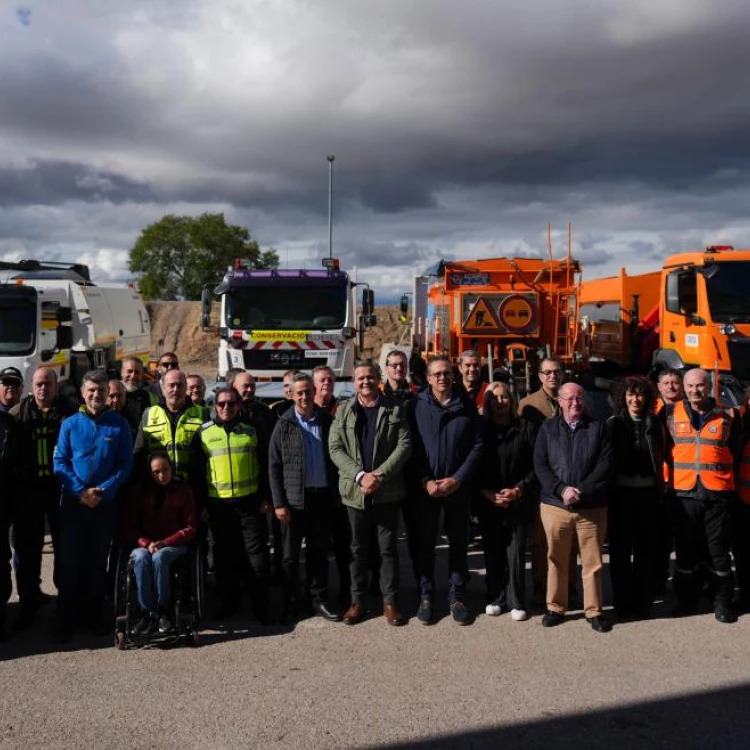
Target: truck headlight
<point>727,329</point>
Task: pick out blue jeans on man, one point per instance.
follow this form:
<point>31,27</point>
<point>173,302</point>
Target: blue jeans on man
<point>153,577</point>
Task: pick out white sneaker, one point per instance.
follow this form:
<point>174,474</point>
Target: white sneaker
<point>493,610</point>
<point>519,615</point>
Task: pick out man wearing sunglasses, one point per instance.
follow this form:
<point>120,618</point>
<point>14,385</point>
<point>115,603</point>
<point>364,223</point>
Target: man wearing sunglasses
<point>168,361</point>
<point>230,477</point>
<point>11,388</point>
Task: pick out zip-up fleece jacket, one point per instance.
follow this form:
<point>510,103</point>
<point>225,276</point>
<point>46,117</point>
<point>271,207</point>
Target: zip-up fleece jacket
<point>447,439</point>
<point>579,458</point>
<point>93,452</point>
<point>286,465</point>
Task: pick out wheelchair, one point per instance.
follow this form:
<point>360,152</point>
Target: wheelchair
<point>187,602</point>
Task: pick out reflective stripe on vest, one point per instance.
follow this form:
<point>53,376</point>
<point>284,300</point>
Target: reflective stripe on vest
<point>702,453</point>
<point>233,466</point>
<point>743,475</point>
<point>158,433</point>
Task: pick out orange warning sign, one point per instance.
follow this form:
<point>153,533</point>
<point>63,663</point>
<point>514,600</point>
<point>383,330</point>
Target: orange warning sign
<point>481,319</point>
<point>518,313</point>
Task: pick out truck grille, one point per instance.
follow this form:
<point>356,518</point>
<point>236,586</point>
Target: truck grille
<point>269,359</point>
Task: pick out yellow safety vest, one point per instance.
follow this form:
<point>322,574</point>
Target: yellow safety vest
<point>233,466</point>
<point>159,435</point>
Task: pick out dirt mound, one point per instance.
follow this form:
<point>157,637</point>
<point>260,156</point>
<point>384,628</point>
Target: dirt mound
<point>176,327</point>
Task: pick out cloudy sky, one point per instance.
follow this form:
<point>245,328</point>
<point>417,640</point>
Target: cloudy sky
<point>459,129</point>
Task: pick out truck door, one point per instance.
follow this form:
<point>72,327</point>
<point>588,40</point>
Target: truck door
<point>682,325</point>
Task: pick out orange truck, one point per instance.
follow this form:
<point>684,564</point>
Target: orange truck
<point>513,311</point>
<point>695,312</point>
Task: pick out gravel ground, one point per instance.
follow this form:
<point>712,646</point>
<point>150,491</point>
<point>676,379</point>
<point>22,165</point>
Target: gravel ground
<point>660,683</point>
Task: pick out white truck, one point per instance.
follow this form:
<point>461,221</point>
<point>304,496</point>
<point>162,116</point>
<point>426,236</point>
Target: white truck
<point>276,320</point>
<point>52,315</point>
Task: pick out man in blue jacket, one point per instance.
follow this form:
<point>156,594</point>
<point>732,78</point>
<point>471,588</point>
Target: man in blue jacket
<point>93,457</point>
<point>447,447</point>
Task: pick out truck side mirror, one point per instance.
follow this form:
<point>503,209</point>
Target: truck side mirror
<point>64,314</point>
<point>206,304</point>
<point>64,337</point>
<point>368,301</point>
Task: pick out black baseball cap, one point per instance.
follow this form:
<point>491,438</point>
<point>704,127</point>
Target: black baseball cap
<point>11,373</point>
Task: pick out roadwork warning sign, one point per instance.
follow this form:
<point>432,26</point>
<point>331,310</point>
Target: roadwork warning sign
<point>482,319</point>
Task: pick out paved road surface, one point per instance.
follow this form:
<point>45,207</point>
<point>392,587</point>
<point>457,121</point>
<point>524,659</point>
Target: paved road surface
<point>662,683</point>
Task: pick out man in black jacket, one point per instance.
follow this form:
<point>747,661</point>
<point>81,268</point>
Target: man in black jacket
<point>447,441</point>
<point>573,462</point>
<point>39,417</point>
<point>303,488</point>
<point>8,463</point>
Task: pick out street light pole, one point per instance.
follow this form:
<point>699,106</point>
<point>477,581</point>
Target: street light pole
<point>330,159</point>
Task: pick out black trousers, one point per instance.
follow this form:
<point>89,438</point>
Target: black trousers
<point>29,511</point>
<point>342,543</point>
<point>410,513</point>
<point>384,519</point>
<point>241,550</point>
<point>313,524</point>
<point>504,532</point>
<point>455,508</point>
<point>85,536</point>
<point>702,536</point>
<point>636,544</point>
<point>741,549</point>
<point>6,583</point>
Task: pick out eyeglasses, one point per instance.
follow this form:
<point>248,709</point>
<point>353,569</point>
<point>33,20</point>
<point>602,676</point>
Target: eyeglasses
<point>225,404</point>
<point>11,383</point>
<point>548,373</point>
<point>169,365</point>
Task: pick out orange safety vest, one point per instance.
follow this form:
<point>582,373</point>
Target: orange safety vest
<point>703,453</point>
<point>743,475</point>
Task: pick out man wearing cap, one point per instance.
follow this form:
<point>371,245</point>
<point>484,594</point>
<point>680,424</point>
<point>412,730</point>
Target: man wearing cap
<point>11,388</point>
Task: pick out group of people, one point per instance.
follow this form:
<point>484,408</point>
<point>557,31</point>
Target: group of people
<point>152,469</point>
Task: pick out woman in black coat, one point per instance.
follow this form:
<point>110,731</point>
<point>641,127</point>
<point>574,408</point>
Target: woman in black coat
<point>506,485</point>
<point>636,508</point>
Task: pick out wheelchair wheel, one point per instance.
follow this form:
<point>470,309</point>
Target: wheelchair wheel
<point>198,580</point>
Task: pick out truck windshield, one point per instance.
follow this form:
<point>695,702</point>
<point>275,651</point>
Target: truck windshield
<point>280,308</point>
<point>728,292</point>
<point>17,330</point>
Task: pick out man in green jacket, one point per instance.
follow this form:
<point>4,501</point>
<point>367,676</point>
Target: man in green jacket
<point>370,443</point>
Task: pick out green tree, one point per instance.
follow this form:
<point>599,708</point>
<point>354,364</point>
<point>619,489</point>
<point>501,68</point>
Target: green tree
<point>177,255</point>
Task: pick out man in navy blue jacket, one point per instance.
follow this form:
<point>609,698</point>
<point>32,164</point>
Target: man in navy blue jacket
<point>573,463</point>
<point>93,457</point>
<point>447,448</point>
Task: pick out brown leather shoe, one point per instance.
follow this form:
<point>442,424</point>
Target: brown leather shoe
<point>355,614</point>
<point>392,615</point>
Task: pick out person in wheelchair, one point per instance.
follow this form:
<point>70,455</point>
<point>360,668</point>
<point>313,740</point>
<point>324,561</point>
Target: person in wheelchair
<point>161,521</point>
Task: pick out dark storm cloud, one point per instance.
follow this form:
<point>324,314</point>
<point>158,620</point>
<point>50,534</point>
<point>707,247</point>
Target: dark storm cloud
<point>53,183</point>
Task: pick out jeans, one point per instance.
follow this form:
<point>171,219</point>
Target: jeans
<point>313,524</point>
<point>456,521</point>
<point>152,577</point>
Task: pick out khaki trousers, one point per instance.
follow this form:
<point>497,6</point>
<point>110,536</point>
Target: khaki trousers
<point>562,528</point>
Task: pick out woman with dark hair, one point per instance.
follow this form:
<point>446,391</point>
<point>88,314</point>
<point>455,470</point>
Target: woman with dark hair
<point>160,523</point>
<point>636,509</point>
<point>505,481</point>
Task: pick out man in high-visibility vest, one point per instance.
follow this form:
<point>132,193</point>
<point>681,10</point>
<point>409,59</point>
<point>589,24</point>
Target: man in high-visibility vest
<point>230,477</point>
<point>706,447</point>
<point>170,425</point>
